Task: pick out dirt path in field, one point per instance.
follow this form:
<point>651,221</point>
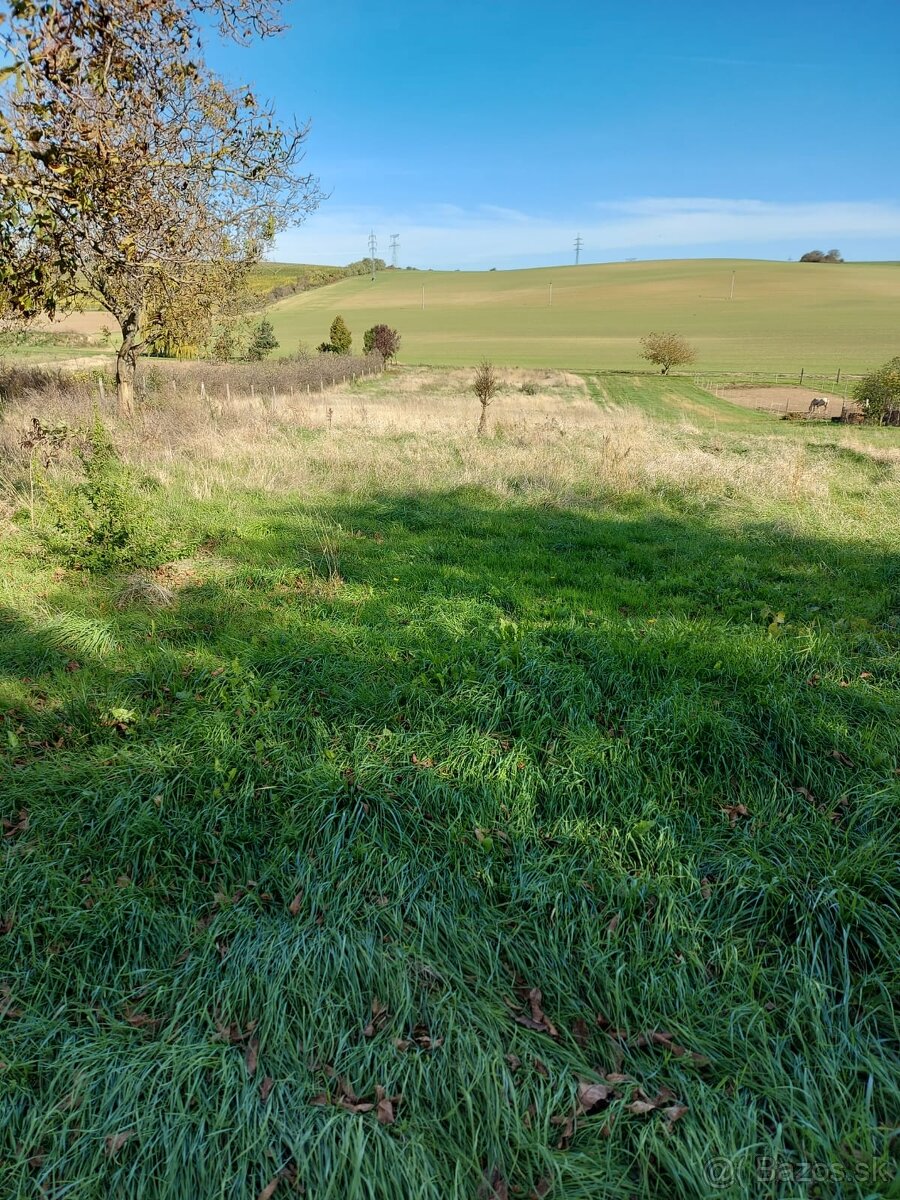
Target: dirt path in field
<point>78,363</point>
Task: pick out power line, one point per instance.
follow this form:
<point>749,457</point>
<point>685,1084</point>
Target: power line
<point>579,242</point>
<point>395,247</point>
<point>373,249</point>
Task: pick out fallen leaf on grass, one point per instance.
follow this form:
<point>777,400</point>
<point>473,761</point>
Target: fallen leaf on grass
<point>384,1107</point>
<point>140,1020</point>
<point>541,1189</point>
<point>10,828</point>
<point>538,1020</point>
<point>421,1038</point>
<point>116,1141</point>
<point>251,1056</point>
<point>659,1037</point>
<point>639,1107</point>
<point>806,794</point>
<point>592,1095</point>
<point>294,906</point>
<point>674,1112</point>
<point>380,1015</point>
<point>581,1033</point>
<point>346,1098</point>
<point>842,758</point>
<point>613,924</point>
<point>265,1088</point>
<point>6,1006</point>
<point>269,1190</point>
<point>568,1130</point>
<point>495,1187</point>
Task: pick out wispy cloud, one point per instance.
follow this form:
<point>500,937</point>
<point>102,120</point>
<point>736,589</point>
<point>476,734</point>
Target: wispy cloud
<point>445,235</point>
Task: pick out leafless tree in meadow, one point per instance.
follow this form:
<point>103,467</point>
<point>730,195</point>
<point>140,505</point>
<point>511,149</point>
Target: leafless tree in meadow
<point>485,386</point>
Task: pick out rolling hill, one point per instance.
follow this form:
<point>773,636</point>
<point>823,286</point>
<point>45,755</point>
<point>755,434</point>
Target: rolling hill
<point>784,316</point>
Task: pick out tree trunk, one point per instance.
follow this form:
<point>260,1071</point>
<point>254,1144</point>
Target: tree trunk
<point>126,364</point>
<point>482,423</point>
<point>665,369</point>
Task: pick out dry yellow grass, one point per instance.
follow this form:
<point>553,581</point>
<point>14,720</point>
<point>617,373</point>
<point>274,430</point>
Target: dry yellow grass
<point>414,429</point>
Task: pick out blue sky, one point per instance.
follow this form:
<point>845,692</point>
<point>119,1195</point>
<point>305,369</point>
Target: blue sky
<point>490,134</point>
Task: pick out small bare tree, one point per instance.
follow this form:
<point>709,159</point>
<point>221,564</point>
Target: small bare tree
<point>667,350</point>
<point>485,386</point>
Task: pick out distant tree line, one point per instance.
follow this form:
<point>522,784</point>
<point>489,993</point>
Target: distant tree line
<point>308,278</point>
<point>833,256</point>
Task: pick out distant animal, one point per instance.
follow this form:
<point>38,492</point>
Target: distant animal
<point>818,402</point>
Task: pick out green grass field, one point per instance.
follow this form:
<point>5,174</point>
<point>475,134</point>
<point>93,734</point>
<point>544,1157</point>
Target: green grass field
<point>500,818</point>
<point>784,316</point>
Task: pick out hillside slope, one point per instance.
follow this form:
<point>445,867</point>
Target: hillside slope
<point>784,316</point>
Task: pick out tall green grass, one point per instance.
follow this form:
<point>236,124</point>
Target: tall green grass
<point>391,762</point>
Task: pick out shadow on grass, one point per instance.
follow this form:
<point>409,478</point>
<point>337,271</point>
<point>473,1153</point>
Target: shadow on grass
<point>429,752</point>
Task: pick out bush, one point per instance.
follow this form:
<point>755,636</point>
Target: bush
<point>530,389</point>
<point>101,523</point>
<point>340,337</point>
<point>383,339</point>
<point>879,392</point>
<point>263,341</point>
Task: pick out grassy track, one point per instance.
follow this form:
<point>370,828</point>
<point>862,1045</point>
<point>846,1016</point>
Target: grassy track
<point>784,315</point>
<point>400,754</point>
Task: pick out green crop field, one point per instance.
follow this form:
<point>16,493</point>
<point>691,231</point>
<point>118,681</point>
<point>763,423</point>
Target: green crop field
<point>454,817</point>
<point>784,316</point>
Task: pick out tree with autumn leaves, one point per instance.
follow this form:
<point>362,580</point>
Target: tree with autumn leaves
<point>132,175</point>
